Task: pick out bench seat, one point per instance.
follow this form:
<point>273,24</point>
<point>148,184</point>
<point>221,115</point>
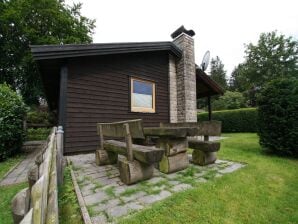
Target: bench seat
<point>145,154</point>
<point>205,146</point>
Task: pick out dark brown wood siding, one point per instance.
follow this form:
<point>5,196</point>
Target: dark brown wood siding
<point>98,90</point>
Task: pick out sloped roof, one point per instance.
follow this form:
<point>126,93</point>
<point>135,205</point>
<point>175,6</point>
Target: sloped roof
<point>42,52</point>
<point>205,85</point>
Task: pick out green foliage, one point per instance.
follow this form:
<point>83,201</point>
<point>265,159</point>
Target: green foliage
<point>239,120</point>
<point>230,100</point>
<point>217,73</point>
<point>69,209</point>
<point>12,113</point>
<point>36,134</point>
<point>267,185</point>
<point>274,56</point>
<point>30,22</point>
<point>278,116</point>
<point>6,195</point>
<point>39,117</point>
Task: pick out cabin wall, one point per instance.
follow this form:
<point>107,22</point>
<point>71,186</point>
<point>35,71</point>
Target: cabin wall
<point>98,90</point>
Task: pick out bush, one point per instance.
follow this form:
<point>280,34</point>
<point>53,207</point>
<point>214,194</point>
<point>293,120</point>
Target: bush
<point>278,116</point>
<point>230,100</point>
<point>240,120</point>
<point>36,134</point>
<point>39,117</point>
<point>12,113</point>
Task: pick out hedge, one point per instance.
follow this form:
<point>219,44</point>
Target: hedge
<point>278,117</point>
<point>239,120</point>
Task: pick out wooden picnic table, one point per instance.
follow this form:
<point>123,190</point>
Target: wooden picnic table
<point>173,139</point>
<point>176,132</point>
<point>174,142</point>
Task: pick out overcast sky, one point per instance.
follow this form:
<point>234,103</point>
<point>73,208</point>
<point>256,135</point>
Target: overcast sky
<point>223,27</point>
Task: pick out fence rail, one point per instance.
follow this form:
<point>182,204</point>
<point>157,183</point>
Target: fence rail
<point>39,203</point>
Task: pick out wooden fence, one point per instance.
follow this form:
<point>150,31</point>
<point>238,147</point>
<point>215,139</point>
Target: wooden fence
<point>38,204</point>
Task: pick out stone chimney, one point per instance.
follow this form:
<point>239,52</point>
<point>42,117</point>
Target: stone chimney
<point>185,78</point>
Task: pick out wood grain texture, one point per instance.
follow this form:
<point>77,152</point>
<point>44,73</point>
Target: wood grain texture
<point>98,91</point>
<point>145,154</point>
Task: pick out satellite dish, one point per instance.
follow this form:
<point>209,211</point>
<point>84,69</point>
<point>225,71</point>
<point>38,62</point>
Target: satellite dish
<point>205,61</point>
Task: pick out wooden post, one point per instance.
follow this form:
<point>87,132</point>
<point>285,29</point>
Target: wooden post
<point>128,143</point>
<point>100,136</point>
<point>62,95</point>
<point>209,108</point>
<point>59,135</point>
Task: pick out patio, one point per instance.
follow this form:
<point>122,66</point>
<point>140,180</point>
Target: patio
<point>107,199</point>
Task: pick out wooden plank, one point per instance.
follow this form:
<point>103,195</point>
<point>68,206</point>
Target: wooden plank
<point>172,146</point>
<point>178,132</point>
<point>142,153</point>
<point>134,171</point>
<point>28,219</point>
<point>90,79</point>
<point>116,129</point>
<point>203,158</point>
<point>210,128</point>
<point>52,201</point>
<point>170,164</point>
<point>205,146</point>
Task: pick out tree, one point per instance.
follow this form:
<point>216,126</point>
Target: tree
<point>217,73</point>
<point>274,56</point>
<point>238,81</point>
<point>28,22</point>
<point>230,100</point>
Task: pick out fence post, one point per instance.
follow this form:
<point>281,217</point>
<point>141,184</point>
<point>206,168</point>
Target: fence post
<point>59,135</point>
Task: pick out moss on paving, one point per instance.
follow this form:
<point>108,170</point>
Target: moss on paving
<point>265,191</point>
<point>69,209</point>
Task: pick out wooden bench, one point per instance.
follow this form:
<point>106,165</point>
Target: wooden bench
<point>204,151</point>
<point>139,161</point>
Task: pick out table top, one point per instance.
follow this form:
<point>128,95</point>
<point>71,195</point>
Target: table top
<point>179,132</point>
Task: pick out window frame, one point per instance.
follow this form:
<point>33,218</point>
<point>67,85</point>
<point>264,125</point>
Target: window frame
<point>142,109</point>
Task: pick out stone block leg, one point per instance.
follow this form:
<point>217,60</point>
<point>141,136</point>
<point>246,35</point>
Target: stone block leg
<point>102,157</point>
<point>170,164</point>
<point>203,158</point>
<point>132,172</point>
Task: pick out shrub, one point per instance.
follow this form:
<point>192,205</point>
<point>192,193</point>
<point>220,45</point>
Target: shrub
<point>230,100</point>
<point>239,120</point>
<point>278,116</point>
<point>39,117</point>
<point>12,113</point>
<point>36,134</point>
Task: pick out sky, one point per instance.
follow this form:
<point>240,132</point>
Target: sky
<point>222,27</point>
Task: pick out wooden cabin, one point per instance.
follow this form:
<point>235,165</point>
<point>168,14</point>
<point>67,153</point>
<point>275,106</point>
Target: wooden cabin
<point>90,83</point>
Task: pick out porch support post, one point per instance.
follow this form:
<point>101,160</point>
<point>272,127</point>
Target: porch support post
<point>62,96</point>
<point>209,108</point>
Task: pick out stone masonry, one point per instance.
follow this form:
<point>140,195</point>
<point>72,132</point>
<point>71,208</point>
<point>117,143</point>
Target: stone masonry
<point>173,89</point>
<point>186,80</point>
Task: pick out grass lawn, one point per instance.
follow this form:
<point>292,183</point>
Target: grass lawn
<point>265,191</point>
<point>7,193</point>
<point>9,163</point>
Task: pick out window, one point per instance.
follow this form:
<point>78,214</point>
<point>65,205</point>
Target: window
<point>142,96</point>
